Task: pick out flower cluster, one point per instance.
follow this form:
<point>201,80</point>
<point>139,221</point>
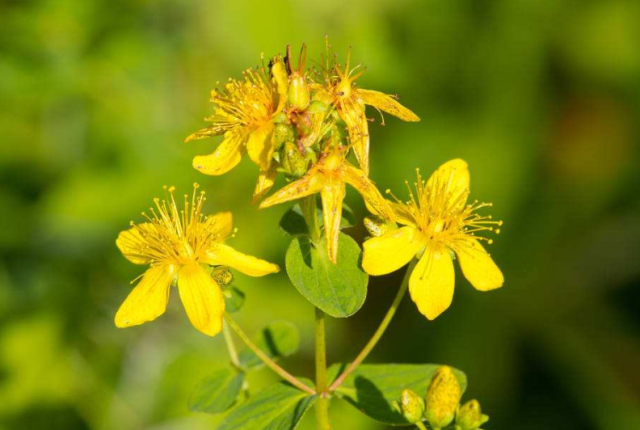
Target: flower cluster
<point>441,405</point>
<point>304,124</point>
<point>301,123</point>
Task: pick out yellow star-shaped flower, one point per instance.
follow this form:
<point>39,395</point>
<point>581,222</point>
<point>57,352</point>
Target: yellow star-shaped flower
<point>175,243</point>
<point>437,221</point>
<point>244,114</point>
<point>328,177</point>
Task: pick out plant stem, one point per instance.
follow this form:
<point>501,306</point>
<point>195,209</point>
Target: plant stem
<point>322,404</point>
<point>379,332</point>
<point>309,211</point>
<point>231,347</point>
<point>266,359</point>
<point>421,426</point>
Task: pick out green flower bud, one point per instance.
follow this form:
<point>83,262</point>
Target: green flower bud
<point>222,275</point>
<point>293,162</point>
<point>443,397</point>
<point>470,416</point>
<point>317,107</point>
<point>412,406</point>
<point>377,226</point>
<point>282,133</point>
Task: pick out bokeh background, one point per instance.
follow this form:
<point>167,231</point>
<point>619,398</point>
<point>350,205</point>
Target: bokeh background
<point>541,97</point>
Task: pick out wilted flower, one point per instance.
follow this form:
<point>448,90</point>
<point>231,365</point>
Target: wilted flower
<point>328,177</point>
<point>340,91</point>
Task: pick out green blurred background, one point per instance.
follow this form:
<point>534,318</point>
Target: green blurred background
<point>541,97</point>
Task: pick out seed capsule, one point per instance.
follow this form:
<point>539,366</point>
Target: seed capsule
<point>293,162</point>
<point>299,93</point>
<point>282,133</point>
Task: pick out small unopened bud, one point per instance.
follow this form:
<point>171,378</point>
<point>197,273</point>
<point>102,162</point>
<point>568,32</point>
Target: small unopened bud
<point>470,416</point>
<point>443,397</point>
<point>282,133</point>
<point>412,406</point>
<point>377,226</point>
<point>222,275</point>
<point>293,162</point>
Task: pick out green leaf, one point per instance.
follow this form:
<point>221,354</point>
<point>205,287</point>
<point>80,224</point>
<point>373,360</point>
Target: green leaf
<point>217,392</point>
<point>278,339</point>
<point>279,407</point>
<point>372,388</point>
<point>294,224</point>
<point>233,299</point>
<point>338,289</point>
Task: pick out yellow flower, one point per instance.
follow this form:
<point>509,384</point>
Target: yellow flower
<point>328,177</point>
<point>437,221</point>
<point>174,243</point>
<point>340,91</point>
<point>244,114</point>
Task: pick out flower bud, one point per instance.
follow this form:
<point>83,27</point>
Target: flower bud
<point>282,133</point>
<point>470,416</point>
<point>280,76</point>
<point>377,226</point>
<point>412,406</point>
<point>293,162</point>
<point>443,397</point>
<point>222,275</point>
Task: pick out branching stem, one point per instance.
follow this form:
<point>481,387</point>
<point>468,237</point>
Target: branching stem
<point>266,359</point>
<point>379,332</point>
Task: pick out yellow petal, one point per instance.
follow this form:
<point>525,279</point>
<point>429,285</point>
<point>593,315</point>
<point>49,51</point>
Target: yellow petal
<point>454,174</point>
<point>354,116</point>
<point>310,183</point>
<point>432,281</point>
<point>451,179</point>
<point>259,146</point>
<point>391,251</point>
<point>132,243</point>
<point>266,179</point>
<point>387,103</point>
<point>332,196</point>
<point>365,186</point>
<point>212,130</point>
<point>149,298</point>
<point>281,80</point>
<point>202,299</point>
<point>226,156</point>
<point>477,265</point>
<point>221,254</point>
<point>220,225</point>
